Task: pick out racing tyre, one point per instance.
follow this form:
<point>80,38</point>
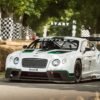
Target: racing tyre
<point>78,71</point>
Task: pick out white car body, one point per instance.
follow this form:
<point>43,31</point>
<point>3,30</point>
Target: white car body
<point>56,64</point>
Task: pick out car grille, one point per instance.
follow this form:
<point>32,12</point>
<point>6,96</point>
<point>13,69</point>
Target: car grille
<point>34,63</point>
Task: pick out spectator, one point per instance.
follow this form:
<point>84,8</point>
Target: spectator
<point>34,36</point>
<point>85,32</point>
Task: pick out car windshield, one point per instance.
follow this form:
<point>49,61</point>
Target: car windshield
<point>48,44</point>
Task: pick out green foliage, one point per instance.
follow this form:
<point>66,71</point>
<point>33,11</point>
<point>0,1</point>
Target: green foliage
<point>37,13</point>
<point>47,10</point>
<point>60,31</point>
<point>24,6</point>
<point>87,12</point>
<point>17,6</point>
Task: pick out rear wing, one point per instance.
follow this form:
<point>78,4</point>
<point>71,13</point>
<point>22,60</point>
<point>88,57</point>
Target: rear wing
<point>97,39</point>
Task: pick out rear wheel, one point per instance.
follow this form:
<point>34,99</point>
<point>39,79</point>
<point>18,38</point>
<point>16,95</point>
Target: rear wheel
<point>78,71</point>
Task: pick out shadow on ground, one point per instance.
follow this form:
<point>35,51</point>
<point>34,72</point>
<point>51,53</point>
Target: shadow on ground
<point>86,86</point>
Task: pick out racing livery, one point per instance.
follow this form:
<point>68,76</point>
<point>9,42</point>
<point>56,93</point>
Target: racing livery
<point>55,59</point>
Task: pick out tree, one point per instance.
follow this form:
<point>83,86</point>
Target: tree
<point>87,12</point>
<point>37,13</point>
<point>48,10</point>
<point>16,8</point>
<point>33,12</point>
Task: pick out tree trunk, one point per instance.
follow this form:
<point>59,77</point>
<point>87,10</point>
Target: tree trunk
<point>98,26</point>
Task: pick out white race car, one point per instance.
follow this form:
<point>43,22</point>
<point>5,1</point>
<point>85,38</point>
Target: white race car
<point>55,59</point>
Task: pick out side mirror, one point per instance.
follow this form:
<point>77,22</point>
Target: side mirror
<point>87,49</point>
<point>24,46</point>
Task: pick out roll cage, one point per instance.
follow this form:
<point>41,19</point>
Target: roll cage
<point>54,43</point>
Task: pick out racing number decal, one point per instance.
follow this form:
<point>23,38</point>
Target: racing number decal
<point>90,64</point>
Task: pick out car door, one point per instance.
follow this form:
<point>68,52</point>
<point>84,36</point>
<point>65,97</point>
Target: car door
<point>95,64</point>
<point>88,58</point>
<point>93,58</point>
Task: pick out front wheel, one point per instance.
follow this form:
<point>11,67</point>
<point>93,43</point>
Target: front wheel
<point>78,71</point>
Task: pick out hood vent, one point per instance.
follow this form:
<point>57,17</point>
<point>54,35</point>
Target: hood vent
<point>58,52</point>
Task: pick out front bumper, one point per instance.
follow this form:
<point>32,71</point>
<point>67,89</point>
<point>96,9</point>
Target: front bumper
<point>17,74</point>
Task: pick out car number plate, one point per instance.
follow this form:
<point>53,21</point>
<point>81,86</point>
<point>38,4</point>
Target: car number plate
<point>35,69</point>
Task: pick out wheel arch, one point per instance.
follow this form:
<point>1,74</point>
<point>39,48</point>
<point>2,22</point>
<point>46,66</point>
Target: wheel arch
<point>79,59</point>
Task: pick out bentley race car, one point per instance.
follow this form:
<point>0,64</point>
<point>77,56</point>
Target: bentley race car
<point>55,59</point>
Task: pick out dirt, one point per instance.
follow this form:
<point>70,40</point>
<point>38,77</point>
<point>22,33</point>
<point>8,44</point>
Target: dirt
<point>7,47</point>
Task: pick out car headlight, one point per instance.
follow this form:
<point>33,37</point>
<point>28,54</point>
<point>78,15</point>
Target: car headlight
<point>56,62</point>
<point>16,60</point>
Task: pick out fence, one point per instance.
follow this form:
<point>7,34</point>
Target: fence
<point>9,30</point>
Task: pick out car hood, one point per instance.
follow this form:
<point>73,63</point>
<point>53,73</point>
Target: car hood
<point>46,52</point>
<point>39,53</point>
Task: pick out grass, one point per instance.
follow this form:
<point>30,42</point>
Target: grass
<point>2,74</point>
